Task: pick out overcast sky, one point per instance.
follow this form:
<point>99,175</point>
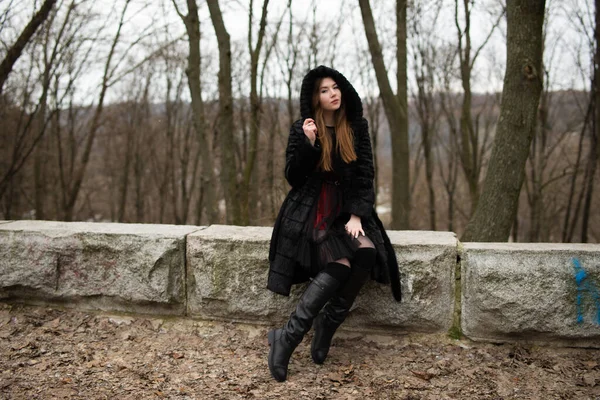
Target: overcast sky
<point>566,44</point>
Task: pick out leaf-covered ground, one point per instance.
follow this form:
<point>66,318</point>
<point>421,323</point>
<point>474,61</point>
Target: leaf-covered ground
<point>55,354</point>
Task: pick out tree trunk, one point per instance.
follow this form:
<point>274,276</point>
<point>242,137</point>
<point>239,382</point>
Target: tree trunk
<point>41,156</point>
<point>94,126</point>
<point>15,51</point>
<point>471,152</point>
<point>425,108</point>
<point>450,167</point>
<point>401,158</point>
<point>467,152</point>
<point>270,160</point>
<point>138,170</point>
<point>254,112</point>
<point>130,137</point>
<point>395,111</point>
<point>429,177</point>
<point>567,232</point>
<point>23,151</point>
<point>373,105</point>
<point>594,133</point>
<point>140,154</point>
<point>40,180</point>
<point>537,160</point>
<point>597,76</point>
<point>193,72</point>
<point>466,120</point>
<point>495,212</point>
<point>225,126</point>
<point>589,184</point>
<point>168,158</point>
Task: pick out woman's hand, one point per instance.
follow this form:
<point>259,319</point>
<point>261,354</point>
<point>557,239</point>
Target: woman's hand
<point>354,226</point>
<point>310,130</point>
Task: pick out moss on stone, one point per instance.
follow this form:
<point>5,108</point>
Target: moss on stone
<point>219,275</point>
<point>455,332</point>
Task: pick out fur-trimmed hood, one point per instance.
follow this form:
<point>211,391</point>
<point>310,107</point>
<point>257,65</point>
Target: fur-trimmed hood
<point>350,98</point>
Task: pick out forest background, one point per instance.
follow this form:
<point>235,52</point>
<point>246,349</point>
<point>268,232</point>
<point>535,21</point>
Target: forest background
<point>178,111</point>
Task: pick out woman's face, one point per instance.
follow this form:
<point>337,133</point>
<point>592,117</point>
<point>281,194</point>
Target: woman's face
<point>330,96</point>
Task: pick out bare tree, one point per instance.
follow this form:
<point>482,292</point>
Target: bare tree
<point>193,72</point>
<point>225,128</point>
<point>255,51</point>
<point>372,107</point>
<point>495,212</point>
<point>55,51</point>
<point>290,59</point>
<point>163,157</point>
<point>470,150</point>
<point>135,114</point>
<point>425,101</point>
<point>274,122</point>
<point>584,22</point>
<point>109,71</point>
<point>595,132</point>
<point>541,171</point>
<point>267,206</point>
<point>141,149</point>
<point>448,139</point>
<point>15,51</point>
<point>395,107</point>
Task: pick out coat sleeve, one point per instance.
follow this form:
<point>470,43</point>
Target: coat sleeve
<point>359,195</point>
<point>301,157</point>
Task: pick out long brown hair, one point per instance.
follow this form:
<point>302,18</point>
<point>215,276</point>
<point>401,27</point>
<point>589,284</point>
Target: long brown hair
<point>343,132</point>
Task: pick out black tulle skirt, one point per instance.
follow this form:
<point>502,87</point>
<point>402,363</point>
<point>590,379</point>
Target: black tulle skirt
<point>324,238</point>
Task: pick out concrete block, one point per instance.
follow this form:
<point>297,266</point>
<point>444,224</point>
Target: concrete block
<point>122,267</point>
<point>227,276</point>
<point>427,262</point>
<point>534,292</point>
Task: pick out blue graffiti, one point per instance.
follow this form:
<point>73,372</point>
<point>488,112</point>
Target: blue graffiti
<point>585,286</point>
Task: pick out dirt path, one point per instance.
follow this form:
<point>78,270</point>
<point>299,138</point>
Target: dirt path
<point>55,354</point>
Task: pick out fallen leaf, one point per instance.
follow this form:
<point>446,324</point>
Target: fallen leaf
<point>349,370</point>
<point>6,334</point>
<point>55,323</point>
<point>422,374</point>
<point>589,380</point>
<point>590,364</point>
<point>118,321</point>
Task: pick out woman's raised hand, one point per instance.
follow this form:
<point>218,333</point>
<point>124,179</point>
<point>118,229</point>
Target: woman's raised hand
<point>310,130</point>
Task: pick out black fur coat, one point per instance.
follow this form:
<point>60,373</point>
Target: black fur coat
<point>357,192</point>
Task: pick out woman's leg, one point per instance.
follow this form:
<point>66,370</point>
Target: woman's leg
<point>336,311</point>
<point>283,341</point>
<point>362,263</point>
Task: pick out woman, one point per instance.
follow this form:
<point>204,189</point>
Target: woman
<point>327,229</point>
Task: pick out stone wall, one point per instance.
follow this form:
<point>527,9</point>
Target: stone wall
<point>121,267</point>
<point>544,293</point>
<point>531,292</point>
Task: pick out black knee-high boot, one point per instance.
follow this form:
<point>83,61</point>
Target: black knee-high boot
<point>336,311</point>
<point>284,341</point>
